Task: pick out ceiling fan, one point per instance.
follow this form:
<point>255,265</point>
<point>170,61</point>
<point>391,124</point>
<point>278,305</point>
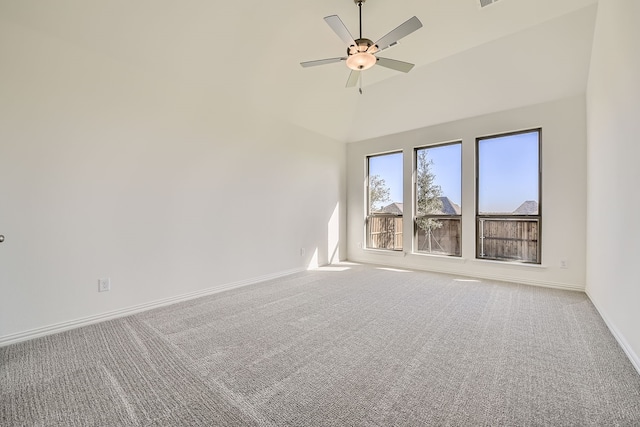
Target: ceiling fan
<point>361,52</point>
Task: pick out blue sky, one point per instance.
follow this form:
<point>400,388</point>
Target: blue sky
<point>508,171</point>
<point>447,167</point>
<point>508,174</point>
<point>389,168</point>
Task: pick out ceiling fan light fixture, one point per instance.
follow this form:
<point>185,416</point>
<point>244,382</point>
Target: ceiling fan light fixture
<point>360,55</point>
<point>361,61</point>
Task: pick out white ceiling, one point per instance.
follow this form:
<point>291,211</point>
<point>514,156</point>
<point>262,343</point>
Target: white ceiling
<point>469,61</point>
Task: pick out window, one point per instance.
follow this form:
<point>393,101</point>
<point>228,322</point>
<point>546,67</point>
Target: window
<point>384,196</point>
<point>438,185</point>
<point>508,197</point>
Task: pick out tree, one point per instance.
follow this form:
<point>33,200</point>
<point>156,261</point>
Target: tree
<point>378,193</point>
<point>428,195</point>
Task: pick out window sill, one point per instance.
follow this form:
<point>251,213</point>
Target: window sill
<point>386,252</point>
<point>509,263</point>
<point>438,257</point>
<point>403,254</point>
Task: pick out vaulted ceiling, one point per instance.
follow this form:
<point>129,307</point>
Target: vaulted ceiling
<point>469,60</point>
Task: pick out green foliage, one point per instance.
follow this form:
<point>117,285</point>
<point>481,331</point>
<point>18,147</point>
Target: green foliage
<point>427,193</point>
<point>378,193</point>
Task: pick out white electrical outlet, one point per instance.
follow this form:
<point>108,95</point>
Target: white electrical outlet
<point>564,263</point>
<point>104,285</point>
<point>302,251</point>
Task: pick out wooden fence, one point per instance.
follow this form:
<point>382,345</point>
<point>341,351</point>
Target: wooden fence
<point>508,239</point>
<point>385,232</point>
<point>499,238</point>
<point>444,240</point>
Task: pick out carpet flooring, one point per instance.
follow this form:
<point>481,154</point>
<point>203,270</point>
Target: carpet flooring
<point>340,346</point>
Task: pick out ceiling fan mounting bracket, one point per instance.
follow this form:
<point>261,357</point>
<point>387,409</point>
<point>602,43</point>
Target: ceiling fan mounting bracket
<point>358,2</point>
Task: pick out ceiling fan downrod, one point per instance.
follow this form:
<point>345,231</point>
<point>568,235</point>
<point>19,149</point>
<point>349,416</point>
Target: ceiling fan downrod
<point>359,2</point>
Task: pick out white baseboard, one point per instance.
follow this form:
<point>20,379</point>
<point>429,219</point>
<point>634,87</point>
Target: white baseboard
<point>495,277</point>
<point>633,357</point>
<point>540,283</point>
<point>84,321</point>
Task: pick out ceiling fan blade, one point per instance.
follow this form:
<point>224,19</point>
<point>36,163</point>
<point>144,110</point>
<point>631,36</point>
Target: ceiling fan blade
<point>405,67</point>
<point>340,29</point>
<point>321,62</point>
<point>403,30</point>
<point>353,78</point>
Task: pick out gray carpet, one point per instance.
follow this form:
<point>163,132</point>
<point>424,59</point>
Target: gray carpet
<point>359,347</point>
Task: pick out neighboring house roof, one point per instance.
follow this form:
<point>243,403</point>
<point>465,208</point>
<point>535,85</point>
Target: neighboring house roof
<point>448,208</point>
<point>394,208</point>
<point>530,207</point>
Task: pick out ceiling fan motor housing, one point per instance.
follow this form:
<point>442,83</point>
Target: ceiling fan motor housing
<point>362,45</point>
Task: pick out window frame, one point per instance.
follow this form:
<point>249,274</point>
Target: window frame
<point>480,218</point>
<point>416,216</point>
<point>398,218</point>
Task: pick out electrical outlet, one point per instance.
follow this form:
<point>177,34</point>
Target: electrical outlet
<point>564,263</point>
<point>302,251</point>
<point>104,285</point>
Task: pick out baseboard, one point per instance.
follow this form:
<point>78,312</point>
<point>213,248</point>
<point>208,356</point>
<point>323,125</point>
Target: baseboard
<point>524,281</point>
<point>474,275</point>
<point>633,357</point>
<point>84,321</point>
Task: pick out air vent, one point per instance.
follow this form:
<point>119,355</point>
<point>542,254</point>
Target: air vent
<point>485,3</point>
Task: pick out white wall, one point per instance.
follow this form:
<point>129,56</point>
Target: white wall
<point>613,228</point>
<point>108,171</point>
<point>563,194</point>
